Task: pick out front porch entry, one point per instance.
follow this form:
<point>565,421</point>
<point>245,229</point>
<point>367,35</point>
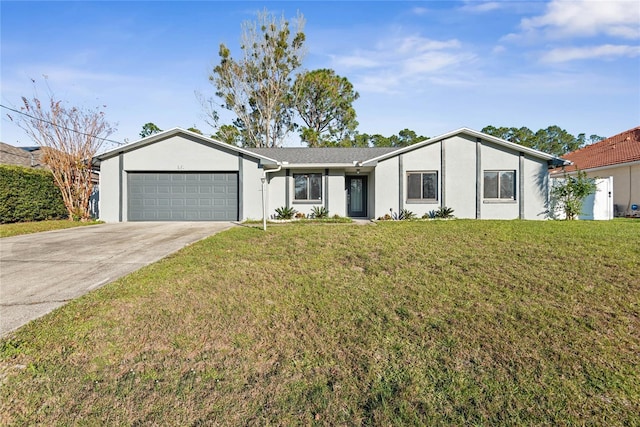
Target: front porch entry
<point>356,196</point>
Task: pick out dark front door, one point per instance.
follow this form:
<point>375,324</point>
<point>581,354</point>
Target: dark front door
<point>357,196</point>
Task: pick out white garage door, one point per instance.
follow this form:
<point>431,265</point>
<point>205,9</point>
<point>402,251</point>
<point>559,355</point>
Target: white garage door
<point>187,196</point>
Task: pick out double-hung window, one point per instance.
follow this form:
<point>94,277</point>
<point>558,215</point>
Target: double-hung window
<point>500,185</point>
<point>308,186</point>
<point>422,186</point>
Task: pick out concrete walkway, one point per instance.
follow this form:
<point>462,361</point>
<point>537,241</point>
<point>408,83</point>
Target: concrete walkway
<point>42,271</point>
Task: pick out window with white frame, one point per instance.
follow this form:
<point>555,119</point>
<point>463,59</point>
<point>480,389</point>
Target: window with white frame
<point>422,186</point>
<point>308,187</point>
<point>500,185</point>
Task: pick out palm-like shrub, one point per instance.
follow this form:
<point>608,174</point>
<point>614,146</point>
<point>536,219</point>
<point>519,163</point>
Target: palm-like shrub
<point>444,212</point>
<point>285,212</point>
<point>404,214</point>
<point>319,212</point>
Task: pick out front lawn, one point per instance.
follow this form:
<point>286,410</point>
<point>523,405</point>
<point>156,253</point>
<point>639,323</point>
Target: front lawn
<point>17,228</point>
<point>416,323</point>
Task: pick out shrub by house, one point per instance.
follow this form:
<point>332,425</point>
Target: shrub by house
<point>29,195</point>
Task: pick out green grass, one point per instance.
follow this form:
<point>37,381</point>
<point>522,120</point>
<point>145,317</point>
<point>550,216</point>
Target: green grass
<point>400,323</point>
<point>18,228</point>
<point>329,220</point>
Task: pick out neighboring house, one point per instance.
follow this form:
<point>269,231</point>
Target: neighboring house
<point>178,175</point>
<point>31,157</point>
<point>21,156</point>
<point>617,157</point>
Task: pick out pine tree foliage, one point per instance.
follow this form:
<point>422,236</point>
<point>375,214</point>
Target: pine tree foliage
<point>257,87</point>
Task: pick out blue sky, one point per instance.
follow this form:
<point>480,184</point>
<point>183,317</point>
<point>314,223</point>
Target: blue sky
<point>428,66</point>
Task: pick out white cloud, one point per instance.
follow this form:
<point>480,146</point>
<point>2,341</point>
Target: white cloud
<point>402,61</point>
<point>610,24</point>
<point>357,60</point>
<point>419,11</point>
<point>498,49</point>
<point>378,83</point>
<point>431,62</point>
<point>480,7</point>
<point>586,18</point>
<point>607,51</point>
<point>420,44</point>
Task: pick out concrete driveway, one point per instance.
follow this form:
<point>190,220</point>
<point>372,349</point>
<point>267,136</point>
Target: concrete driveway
<point>42,271</point>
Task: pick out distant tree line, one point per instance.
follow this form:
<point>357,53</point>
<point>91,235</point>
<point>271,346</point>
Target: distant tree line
<point>404,138</point>
<point>553,140</point>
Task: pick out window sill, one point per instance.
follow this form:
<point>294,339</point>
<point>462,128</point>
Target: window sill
<point>307,202</point>
<point>421,201</point>
<point>501,202</point>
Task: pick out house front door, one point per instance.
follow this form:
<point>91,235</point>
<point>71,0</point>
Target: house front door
<point>357,196</point>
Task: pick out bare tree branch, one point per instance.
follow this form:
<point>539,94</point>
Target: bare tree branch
<point>70,137</point>
<point>257,87</point>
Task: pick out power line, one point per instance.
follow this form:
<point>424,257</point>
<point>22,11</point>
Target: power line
<point>61,127</point>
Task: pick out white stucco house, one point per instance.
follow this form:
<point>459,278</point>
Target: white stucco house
<point>177,175</point>
<point>617,159</point>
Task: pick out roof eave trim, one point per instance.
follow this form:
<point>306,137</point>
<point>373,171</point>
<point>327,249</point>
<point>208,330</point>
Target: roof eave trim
<point>600,168</point>
<point>286,165</point>
<point>172,132</point>
<point>469,132</point>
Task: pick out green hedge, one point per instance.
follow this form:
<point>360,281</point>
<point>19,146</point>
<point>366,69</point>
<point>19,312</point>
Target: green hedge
<point>29,195</point>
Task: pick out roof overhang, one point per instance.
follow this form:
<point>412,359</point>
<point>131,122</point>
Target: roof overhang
<point>321,165</point>
<point>474,134</point>
<point>179,131</point>
<point>597,169</point>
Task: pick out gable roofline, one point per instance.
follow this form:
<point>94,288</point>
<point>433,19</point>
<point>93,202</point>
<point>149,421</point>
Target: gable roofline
<point>473,133</point>
<point>269,161</point>
<point>152,139</point>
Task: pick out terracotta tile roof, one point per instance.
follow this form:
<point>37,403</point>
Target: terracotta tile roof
<point>621,148</point>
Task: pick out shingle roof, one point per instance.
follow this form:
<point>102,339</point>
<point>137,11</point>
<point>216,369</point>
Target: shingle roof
<point>621,148</point>
<point>319,156</point>
<point>21,156</point>
<point>303,155</point>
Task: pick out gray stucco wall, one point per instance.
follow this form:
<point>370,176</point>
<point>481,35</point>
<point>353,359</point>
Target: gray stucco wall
<point>251,184</point>
<point>387,185</point>
<point>333,192</point>
<point>455,159</point>
<point>109,197</point>
<point>460,180</point>
<point>426,159</point>
<point>276,196</point>
<point>177,154</point>
<point>460,176</point>
<point>337,193</point>
<point>536,188</point>
<point>495,158</point>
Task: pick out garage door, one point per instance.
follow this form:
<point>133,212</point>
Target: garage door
<point>188,196</point>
